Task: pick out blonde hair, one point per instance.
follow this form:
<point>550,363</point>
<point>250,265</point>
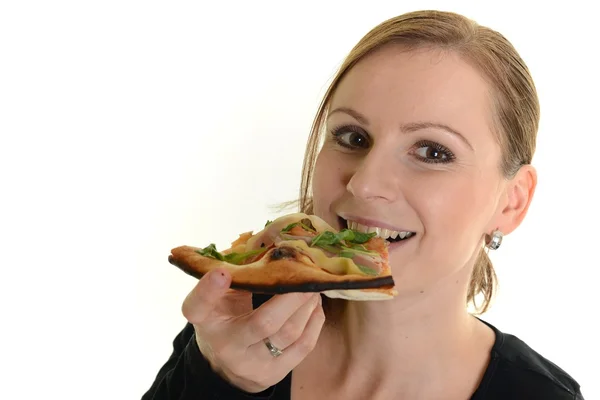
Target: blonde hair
<point>514,101</point>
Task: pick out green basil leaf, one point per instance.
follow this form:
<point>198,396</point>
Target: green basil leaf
<point>232,258</point>
<point>289,227</point>
<point>359,249</point>
<point>326,238</point>
<point>308,225</point>
<point>211,251</point>
<point>239,258</point>
<point>367,270</point>
<point>346,254</point>
<point>359,237</point>
<point>347,235</point>
<point>305,224</point>
<point>268,223</point>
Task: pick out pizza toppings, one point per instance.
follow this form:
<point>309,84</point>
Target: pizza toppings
<point>242,240</point>
<point>287,236</point>
<point>344,252</point>
<point>232,258</point>
<point>377,244</point>
<point>368,265</point>
<point>283,252</point>
<point>300,228</point>
<point>271,233</point>
<point>299,252</point>
<point>346,235</point>
<point>303,230</point>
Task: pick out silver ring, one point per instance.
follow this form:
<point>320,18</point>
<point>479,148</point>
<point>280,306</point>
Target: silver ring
<point>275,352</point>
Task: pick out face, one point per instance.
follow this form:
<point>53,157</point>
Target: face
<point>410,148</point>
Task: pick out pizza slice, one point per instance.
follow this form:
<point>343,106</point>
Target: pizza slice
<point>298,253</point>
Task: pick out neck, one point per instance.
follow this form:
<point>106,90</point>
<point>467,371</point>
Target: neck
<point>415,337</point>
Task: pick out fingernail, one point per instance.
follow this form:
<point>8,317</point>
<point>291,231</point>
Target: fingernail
<point>218,278</point>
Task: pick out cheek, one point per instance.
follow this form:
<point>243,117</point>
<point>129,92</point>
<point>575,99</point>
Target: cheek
<point>455,207</point>
<point>453,210</point>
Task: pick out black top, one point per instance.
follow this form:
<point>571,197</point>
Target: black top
<point>515,372</point>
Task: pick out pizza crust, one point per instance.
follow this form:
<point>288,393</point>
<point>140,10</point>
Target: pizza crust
<point>362,295</point>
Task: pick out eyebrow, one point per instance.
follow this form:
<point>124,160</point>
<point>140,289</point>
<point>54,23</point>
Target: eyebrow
<point>408,128</point>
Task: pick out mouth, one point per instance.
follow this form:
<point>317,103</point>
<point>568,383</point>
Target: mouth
<point>391,236</point>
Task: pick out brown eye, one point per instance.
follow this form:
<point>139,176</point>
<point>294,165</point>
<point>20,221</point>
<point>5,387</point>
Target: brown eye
<point>351,137</point>
<point>433,153</point>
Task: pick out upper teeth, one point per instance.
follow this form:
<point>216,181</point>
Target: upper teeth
<point>381,232</point>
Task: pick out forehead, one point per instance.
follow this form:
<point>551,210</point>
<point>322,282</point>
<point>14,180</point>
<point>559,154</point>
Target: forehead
<point>394,85</point>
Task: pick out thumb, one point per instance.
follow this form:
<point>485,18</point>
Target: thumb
<point>203,298</point>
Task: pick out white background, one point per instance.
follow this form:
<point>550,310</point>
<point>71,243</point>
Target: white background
<point>128,128</point>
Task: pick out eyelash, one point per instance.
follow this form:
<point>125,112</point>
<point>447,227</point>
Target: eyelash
<point>437,147</point>
<point>342,130</point>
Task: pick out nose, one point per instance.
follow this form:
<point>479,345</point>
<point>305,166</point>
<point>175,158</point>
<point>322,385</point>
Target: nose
<point>373,179</point>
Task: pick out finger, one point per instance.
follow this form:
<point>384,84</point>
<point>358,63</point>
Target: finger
<point>205,295</point>
<point>296,352</point>
<point>267,319</point>
<point>292,328</point>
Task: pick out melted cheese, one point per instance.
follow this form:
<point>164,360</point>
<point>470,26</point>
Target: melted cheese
<point>334,265</point>
<point>274,228</point>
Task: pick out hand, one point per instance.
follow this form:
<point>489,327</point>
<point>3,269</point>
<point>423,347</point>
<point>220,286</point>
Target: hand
<point>230,333</point>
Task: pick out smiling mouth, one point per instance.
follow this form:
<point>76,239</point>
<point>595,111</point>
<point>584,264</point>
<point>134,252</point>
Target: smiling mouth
<point>388,235</point>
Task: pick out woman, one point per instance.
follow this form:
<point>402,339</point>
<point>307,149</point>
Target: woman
<point>429,128</point>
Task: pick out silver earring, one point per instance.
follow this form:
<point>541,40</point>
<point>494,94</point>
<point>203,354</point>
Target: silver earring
<point>495,240</point>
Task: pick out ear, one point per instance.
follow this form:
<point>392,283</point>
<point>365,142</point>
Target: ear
<point>518,195</point>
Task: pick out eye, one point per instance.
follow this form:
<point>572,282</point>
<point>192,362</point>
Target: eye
<point>351,137</point>
<point>432,152</point>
